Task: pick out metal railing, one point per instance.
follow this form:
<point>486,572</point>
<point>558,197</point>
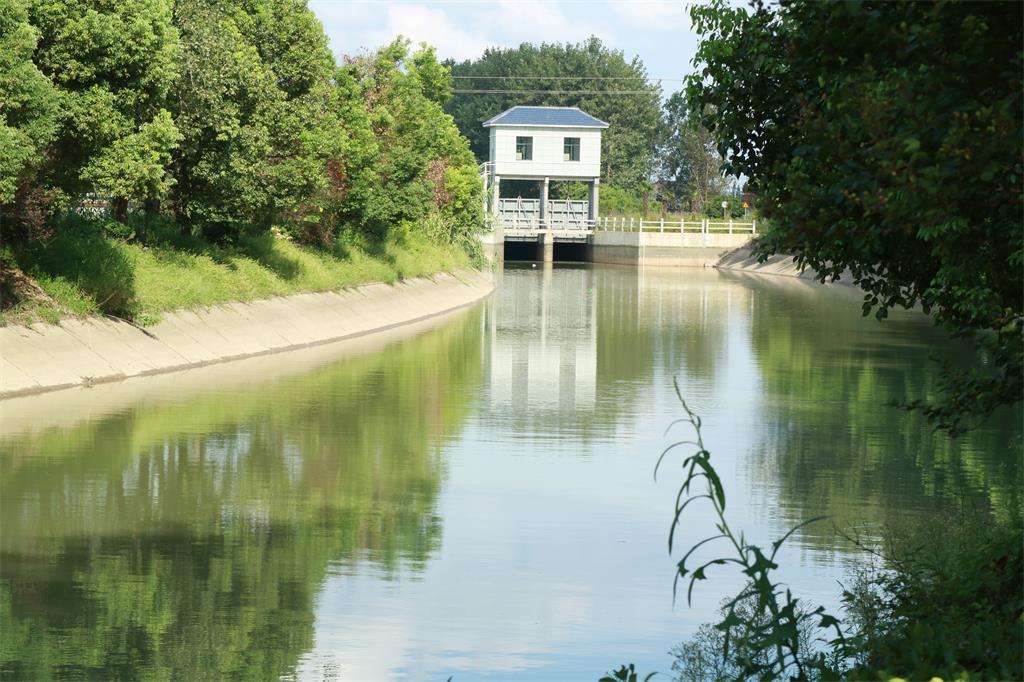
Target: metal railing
<point>622,224</point>
<point>522,223</point>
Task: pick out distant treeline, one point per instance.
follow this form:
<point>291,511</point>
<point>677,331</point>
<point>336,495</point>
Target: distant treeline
<point>232,116</point>
<point>653,157</point>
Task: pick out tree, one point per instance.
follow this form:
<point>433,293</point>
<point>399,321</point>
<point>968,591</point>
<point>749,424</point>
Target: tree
<point>424,170</point>
<point>689,166</point>
<point>574,75</point>
<point>887,140</point>
<point>222,107</point>
<point>29,107</point>
<point>114,64</point>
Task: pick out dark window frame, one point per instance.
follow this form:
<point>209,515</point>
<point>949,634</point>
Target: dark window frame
<point>571,149</point>
<point>524,148</point>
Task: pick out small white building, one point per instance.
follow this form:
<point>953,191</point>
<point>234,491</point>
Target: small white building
<point>545,144</point>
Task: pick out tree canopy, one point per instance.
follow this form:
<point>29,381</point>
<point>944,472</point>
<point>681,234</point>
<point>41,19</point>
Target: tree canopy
<point>885,140</point>
<point>689,165</point>
<point>576,75</point>
<point>231,116</point>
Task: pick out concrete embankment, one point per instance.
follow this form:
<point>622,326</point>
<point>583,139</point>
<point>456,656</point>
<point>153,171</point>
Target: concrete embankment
<point>663,248</point>
<point>742,260</point>
<point>43,357</point>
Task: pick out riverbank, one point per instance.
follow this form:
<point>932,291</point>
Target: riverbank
<point>743,260</point>
<point>144,269</point>
<point>82,352</point>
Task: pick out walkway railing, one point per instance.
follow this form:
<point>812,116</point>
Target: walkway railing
<point>535,223</point>
<point>620,224</point>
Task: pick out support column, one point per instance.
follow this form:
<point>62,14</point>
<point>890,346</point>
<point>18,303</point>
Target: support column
<point>592,208</point>
<point>544,187</point>
<point>547,245</point>
<point>495,195</point>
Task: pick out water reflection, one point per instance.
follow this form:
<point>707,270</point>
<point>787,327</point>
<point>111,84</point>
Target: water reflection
<point>477,500</point>
<point>188,540</point>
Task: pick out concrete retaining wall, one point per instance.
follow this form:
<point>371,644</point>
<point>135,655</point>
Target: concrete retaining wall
<point>664,248</point>
<point>83,352</point>
<point>741,260</point>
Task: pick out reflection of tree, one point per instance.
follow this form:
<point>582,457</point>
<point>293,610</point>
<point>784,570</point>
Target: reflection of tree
<point>188,540</point>
<point>831,439</point>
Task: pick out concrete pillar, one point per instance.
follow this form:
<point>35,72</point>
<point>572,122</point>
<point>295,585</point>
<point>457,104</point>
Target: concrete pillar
<point>547,245</point>
<point>592,208</point>
<point>544,187</point>
<point>495,194</point>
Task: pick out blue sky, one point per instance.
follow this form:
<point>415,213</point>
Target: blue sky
<point>658,32</point>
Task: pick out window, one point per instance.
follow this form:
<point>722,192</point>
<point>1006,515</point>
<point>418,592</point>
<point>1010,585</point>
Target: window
<point>571,149</point>
<point>524,148</point>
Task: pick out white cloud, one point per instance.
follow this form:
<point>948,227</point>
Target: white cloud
<point>527,21</point>
<point>655,15</point>
<point>430,25</point>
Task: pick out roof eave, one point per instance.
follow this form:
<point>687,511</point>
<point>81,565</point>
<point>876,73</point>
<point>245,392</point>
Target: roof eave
<point>489,124</point>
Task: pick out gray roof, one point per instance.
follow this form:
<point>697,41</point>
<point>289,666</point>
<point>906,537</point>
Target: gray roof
<point>564,117</point>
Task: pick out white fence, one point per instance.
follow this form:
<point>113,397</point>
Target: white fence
<point>618,224</point>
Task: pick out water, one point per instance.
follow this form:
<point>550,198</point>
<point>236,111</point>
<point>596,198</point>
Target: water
<point>475,501</point>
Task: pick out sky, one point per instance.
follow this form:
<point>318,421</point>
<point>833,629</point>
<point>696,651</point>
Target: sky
<point>657,31</point>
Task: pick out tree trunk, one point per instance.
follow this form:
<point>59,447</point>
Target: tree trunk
<point>151,206</point>
<point>119,208</point>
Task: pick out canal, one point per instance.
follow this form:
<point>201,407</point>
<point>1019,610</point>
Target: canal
<point>476,500</point>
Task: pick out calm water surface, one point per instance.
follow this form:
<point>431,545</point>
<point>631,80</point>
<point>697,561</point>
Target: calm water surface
<point>475,501</point>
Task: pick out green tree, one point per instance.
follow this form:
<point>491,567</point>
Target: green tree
<point>689,165</point>
<point>568,75</point>
<point>114,64</point>
<point>225,104</point>
<point>887,140</point>
<point>424,173</point>
<point>29,105</point>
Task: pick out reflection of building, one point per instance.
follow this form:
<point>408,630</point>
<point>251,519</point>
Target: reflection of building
<point>543,343</point>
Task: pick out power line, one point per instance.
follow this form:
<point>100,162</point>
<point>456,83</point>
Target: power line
<point>553,92</point>
<point>570,78</point>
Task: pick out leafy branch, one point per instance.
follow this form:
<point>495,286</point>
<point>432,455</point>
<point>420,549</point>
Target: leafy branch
<point>764,628</point>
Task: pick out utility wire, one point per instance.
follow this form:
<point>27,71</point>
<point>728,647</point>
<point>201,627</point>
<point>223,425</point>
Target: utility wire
<point>553,92</point>
<point>569,78</point>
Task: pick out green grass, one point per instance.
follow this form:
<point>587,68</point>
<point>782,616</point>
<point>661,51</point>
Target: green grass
<point>85,272</point>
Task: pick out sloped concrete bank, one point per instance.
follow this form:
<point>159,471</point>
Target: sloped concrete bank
<point>39,358</point>
<point>742,260</point>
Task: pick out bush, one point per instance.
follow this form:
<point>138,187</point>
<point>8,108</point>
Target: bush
<point>713,209</point>
<point>79,253</point>
<point>951,609</point>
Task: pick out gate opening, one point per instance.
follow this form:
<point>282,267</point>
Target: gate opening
<point>573,251</point>
<point>523,251</point>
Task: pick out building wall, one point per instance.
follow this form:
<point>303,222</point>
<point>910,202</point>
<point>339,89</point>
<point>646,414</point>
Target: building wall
<point>548,149</point>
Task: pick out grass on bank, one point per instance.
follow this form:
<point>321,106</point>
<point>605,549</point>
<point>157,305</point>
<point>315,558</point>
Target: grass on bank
<point>83,270</point>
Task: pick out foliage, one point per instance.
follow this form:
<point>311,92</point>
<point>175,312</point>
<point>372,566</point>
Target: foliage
<point>28,101</point>
<point>689,165</point>
<point>113,64</point>
<point>232,116</point>
<point>625,673</point>
<point>875,148</point>
<point>713,207</point>
<point>80,256</point>
<point>953,610</point>
<point>766,632</point>
<point>148,267</point>
<point>423,164</point>
<point>627,146</point>
<point>249,134</point>
<point>705,656</point>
